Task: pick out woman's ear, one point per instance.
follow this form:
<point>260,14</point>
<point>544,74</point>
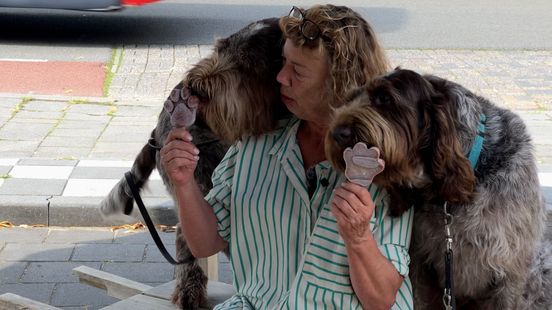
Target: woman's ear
<point>453,176</point>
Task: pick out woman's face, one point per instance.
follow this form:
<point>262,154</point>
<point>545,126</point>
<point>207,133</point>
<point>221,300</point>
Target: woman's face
<point>303,80</point>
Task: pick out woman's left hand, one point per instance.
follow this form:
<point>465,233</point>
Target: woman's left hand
<point>353,207</point>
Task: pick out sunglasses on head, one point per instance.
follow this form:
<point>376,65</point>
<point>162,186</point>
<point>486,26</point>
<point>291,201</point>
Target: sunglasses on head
<point>309,29</point>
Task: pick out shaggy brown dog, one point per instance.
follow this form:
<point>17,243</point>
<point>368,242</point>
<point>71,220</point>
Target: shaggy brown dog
<point>237,95</point>
<point>425,126</point>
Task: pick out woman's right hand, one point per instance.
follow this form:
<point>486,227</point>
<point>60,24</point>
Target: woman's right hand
<point>179,156</point>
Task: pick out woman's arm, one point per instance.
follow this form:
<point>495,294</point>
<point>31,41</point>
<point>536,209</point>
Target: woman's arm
<point>374,278</point>
<point>199,224</point>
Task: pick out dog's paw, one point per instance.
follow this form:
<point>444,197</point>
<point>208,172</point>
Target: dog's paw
<point>113,206</point>
<point>182,107</point>
<point>362,163</point>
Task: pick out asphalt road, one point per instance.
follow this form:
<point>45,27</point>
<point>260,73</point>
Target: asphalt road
<point>486,24</point>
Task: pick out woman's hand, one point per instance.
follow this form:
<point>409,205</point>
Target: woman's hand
<point>179,156</point>
<point>353,207</point>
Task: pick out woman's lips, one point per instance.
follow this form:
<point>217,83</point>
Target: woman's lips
<point>286,100</point>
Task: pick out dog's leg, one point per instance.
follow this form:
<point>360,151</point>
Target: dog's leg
<point>190,291</point>
<point>120,196</point>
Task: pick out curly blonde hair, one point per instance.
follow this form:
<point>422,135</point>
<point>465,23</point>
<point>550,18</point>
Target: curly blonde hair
<point>354,52</point>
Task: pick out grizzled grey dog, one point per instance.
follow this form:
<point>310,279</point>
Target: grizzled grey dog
<point>231,93</point>
<point>427,129</point>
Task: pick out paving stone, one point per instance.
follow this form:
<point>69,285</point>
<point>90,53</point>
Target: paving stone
<point>82,235</point>
<point>24,121</point>
<point>109,252</point>
<point>32,187</point>
<point>40,292</point>
<point>93,132</point>
<point>47,162</point>
<point>36,252</point>
<point>62,152</point>
<point>24,235</point>
<point>89,187</point>
<point>77,294</point>
<point>143,237</point>
<point>104,163</point>
<point>54,272</point>
<point>31,131</point>
<point>11,272</point>
<point>99,172</point>
<point>154,255</point>
<point>74,142</point>
<point>8,161</point>
<point>5,170</point>
<point>9,102</point>
<point>225,274</point>
<point>45,106</point>
<point>142,272</point>
<point>41,172</point>
<point>81,124</point>
<point>117,134</point>
<point>87,117</point>
<point>89,109</point>
<point>13,148</point>
<point>26,114</point>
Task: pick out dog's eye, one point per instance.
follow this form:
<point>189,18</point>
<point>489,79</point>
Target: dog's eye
<point>382,99</point>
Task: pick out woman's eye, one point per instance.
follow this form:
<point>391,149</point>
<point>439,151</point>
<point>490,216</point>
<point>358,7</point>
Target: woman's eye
<point>297,72</point>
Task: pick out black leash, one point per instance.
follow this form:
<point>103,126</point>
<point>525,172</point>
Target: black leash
<point>153,232</point>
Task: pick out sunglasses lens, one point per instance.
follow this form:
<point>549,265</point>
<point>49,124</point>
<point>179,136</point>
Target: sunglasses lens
<point>296,13</point>
<point>310,30</point>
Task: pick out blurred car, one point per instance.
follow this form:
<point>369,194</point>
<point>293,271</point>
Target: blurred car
<point>94,5</point>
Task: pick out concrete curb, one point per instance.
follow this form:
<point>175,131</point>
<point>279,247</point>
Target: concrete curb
<point>77,211</point>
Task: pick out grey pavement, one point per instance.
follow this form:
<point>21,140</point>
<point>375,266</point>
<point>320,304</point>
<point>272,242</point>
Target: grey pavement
<point>60,155</point>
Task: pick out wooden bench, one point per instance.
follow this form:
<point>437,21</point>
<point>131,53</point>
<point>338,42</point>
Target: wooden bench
<point>133,295</point>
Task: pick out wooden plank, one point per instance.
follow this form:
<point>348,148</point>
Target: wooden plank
<point>141,302</point>
<point>9,301</point>
<point>115,286</point>
<point>210,266</point>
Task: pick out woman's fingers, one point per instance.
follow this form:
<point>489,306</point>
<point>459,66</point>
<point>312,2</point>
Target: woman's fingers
<point>343,205</point>
<point>178,134</point>
<point>179,162</point>
<point>359,192</point>
<point>173,153</point>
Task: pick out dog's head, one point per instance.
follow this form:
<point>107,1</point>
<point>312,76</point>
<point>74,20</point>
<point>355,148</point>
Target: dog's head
<point>236,85</point>
<point>413,125</point>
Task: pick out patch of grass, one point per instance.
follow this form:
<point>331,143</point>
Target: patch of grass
<point>67,158</point>
<point>115,60</point>
<point>78,101</point>
<point>112,111</point>
<point>5,176</point>
<point>20,105</point>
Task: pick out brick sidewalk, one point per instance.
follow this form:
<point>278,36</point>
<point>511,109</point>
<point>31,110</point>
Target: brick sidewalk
<point>37,262</point>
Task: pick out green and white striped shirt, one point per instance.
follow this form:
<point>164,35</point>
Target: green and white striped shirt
<point>285,249</point>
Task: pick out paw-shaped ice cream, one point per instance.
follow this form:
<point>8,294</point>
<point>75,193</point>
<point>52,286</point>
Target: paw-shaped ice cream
<point>362,164</point>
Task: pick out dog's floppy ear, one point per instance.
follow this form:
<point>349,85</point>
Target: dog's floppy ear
<point>453,177</point>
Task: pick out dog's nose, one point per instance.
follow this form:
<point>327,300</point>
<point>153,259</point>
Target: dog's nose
<point>342,135</point>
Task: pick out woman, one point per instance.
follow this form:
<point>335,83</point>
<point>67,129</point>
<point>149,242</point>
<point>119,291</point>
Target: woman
<point>300,236</point>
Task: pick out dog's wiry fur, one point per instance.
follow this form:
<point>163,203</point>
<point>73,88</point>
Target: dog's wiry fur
<point>238,93</point>
<point>424,127</point>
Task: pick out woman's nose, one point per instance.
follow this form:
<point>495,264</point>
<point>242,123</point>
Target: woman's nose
<point>283,77</point>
